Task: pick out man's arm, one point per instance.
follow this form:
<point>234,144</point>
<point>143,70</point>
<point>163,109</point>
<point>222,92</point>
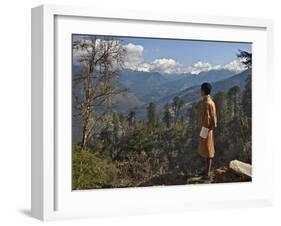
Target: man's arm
<point>204,127</point>
<point>212,116</point>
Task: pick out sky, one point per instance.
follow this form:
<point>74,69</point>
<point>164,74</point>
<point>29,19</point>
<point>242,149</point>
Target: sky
<point>170,56</point>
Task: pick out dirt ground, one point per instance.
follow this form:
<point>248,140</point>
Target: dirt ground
<point>219,175</point>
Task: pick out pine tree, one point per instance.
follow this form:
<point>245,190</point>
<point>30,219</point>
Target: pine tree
<point>167,118</point>
<point>131,118</point>
<point>233,96</point>
<point>152,114</point>
<point>246,118</point>
<point>245,57</point>
<point>177,105</point>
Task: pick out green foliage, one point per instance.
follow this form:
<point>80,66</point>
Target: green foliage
<point>167,118</point>
<point>125,152</point>
<point>152,114</point>
<point>233,96</point>
<point>245,57</point>
<point>246,119</point>
<point>233,134</point>
<point>91,171</point>
<point>177,105</point>
<point>131,118</point>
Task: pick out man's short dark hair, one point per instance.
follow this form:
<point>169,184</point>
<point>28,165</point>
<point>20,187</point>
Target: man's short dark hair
<point>206,87</point>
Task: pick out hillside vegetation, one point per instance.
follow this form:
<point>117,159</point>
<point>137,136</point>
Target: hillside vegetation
<point>117,149</point>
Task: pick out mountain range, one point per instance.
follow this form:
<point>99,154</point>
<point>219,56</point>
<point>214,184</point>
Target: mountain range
<point>152,86</point>
<point>192,94</point>
<point>145,87</point>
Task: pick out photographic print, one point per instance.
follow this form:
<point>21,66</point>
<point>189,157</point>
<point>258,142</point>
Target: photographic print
<point>156,111</point>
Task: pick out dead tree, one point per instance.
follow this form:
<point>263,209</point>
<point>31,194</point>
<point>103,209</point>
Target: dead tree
<point>99,60</point>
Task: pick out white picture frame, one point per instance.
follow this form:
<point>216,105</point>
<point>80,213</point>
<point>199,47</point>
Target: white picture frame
<point>52,197</point>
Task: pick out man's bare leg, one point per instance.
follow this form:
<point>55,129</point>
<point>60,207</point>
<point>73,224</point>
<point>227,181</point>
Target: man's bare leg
<point>209,166</point>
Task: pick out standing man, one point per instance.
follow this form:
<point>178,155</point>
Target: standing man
<point>207,122</point>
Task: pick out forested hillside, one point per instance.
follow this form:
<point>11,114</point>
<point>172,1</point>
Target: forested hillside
<point>120,150</point>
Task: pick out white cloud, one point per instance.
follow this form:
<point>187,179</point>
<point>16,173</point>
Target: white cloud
<point>134,56</point>
<point>167,66</point>
<point>144,67</point>
<point>170,66</point>
<point>234,65</point>
<point>134,61</point>
<point>200,67</point>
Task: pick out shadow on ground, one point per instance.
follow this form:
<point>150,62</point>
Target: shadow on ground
<point>25,212</point>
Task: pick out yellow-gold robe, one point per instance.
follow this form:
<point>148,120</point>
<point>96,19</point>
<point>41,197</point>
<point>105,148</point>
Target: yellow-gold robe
<point>207,118</point>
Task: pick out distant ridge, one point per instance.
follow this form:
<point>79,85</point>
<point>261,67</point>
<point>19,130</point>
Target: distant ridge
<point>192,94</point>
<point>152,86</point>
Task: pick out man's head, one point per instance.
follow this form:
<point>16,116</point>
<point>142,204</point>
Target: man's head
<point>206,89</point>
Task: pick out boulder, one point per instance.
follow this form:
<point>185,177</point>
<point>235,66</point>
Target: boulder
<point>241,168</point>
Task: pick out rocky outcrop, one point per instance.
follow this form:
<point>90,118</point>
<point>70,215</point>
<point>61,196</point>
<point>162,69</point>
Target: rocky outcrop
<point>227,175</point>
<point>241,168</point>
<point>236,172</point>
